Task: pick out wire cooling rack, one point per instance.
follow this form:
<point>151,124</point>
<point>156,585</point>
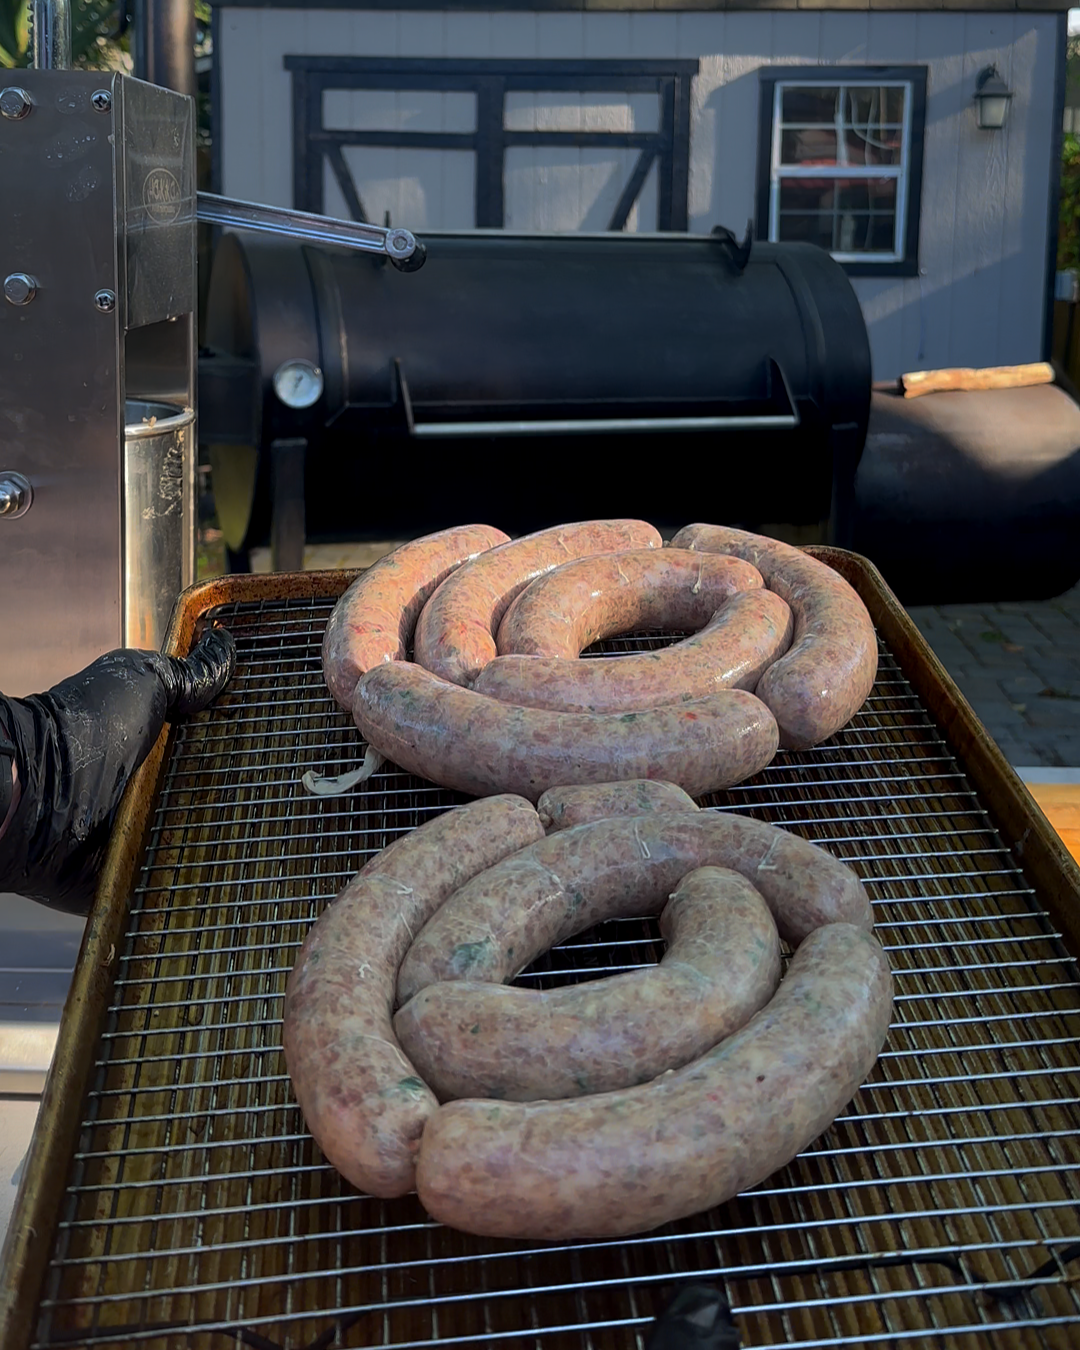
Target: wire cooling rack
<point>940,1210</point>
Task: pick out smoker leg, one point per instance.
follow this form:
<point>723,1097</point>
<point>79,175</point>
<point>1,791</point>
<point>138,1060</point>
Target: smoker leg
<point>237,560</point>
<point>846,448</point>
<point>287,521</point>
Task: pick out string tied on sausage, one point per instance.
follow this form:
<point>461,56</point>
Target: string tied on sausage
<point>324,786</point>
<point>641,842</point>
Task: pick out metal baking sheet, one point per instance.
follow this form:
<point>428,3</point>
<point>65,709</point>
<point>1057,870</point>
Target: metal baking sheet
<point>190,1207</point>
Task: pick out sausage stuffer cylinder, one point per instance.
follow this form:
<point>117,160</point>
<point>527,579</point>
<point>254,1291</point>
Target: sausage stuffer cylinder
<point>97,325</point>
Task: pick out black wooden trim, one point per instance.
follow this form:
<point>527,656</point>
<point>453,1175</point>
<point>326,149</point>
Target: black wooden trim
<point>345,182</point>
<point>490,154</point>
<point>915,175</point>
<point>766,97</point>
<point>616,71</point>
<point>665,193</point>
<point>419,140</point>
<point>680,154</point>
<point>832,74</point>
<point>631,6</point>
<point>490,81</point>
<point>622,140</point>
<point>307,169</point>
<point>632,190</point>
<point>1054,202</point>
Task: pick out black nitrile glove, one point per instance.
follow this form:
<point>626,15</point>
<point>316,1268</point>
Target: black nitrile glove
<point>75,748</point>
<point>697,1318</point>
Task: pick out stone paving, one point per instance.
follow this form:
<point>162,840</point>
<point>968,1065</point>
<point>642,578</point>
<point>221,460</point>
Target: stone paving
<point>1018,665</point>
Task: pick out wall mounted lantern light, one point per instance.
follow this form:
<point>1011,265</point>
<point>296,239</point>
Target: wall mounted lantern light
<point>991,99</point>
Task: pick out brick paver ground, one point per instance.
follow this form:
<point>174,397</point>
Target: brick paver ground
<point>1018,666</point>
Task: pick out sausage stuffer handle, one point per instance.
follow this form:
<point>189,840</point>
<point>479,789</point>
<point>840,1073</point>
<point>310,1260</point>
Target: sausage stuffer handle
<point>401,246</point>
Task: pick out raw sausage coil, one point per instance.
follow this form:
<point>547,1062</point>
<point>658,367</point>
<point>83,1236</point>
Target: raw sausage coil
<point>826,676</point>
<point>577,604</point>
<point>374,620</point>
<point>491,1040</point>
<point>504,918</point>
<point>455,635</point>
<point>480,746</point>
<point>625,1162</point>
<point>740,642</point>
<point>362,1100</point>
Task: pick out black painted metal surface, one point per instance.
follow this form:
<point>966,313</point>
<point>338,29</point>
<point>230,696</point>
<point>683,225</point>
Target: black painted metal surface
<point>696,381</point>
<point>972,496</point>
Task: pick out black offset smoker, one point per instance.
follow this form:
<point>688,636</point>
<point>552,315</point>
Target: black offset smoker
<point>531,379</point>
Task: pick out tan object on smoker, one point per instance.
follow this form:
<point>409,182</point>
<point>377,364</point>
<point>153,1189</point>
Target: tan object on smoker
<point>989,377</point>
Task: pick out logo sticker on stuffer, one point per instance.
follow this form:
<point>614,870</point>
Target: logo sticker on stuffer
<point>161,196</point>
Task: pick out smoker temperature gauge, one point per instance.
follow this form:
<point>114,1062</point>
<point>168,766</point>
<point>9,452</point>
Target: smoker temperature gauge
<point>298,384</point>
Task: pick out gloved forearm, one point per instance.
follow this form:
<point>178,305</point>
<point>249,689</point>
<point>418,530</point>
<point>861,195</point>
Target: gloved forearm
<point>74,749</point>
<point>191,682</point>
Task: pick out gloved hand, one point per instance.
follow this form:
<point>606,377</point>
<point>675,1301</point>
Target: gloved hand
<point>75,748</point>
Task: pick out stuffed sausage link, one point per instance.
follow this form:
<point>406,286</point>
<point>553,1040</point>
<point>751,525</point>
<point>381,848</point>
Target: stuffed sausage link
<point>625,1162</point>
<point>361,1098</point>
<point>478,745</point>
<point>455,634</point>
<point>560,808</point>
<point>822,681</point>
<point>722,964</point>
<point>503,919</point>
<point>734,649</point>
<point>675,590</point>
<point>374,620</point>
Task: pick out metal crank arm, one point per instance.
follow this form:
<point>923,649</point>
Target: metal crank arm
<point>401,247</point>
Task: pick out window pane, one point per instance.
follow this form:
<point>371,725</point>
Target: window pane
<point>843,215</point>
<point>809,103</point>
<point>875,104</point>
<point>875,146</point>
<point>856,194</point>
<point>808,147</point>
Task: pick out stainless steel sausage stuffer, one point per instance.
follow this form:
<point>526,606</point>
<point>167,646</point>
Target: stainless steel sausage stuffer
<point>98,316</point>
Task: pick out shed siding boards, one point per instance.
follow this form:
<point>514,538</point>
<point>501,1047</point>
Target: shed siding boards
<point>979,297</point>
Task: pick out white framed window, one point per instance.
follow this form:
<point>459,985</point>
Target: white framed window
<point>843,162</point>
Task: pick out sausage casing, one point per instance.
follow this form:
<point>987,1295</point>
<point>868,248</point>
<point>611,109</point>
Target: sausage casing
<point>478,745</point>
<point>503,919</point>
<point>562,807</point>
<point>675,590</point>
<point>733,651</point>
<point>374,619</point>
<point>455,634</point>
<point>721,965</point>
<point>625,1162</point>
<point>362,1100</point>
<point>824,678</point>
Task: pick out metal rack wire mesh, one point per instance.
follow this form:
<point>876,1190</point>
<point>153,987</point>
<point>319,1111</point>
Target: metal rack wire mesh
<point>941,1209</point>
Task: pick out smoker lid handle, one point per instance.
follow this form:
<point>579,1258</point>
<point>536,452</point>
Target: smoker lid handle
<point>402,248</point>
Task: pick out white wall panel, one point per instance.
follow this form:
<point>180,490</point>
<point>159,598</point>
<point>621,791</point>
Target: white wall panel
<point>978,298</point>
